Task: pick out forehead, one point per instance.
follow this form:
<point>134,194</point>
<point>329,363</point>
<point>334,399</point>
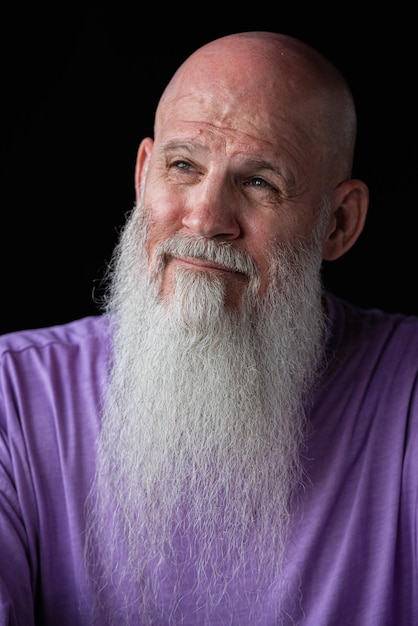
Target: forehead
<point>235,123</point>
<point>260,87</point>
<point>224,112</point>
<point>224,99</point>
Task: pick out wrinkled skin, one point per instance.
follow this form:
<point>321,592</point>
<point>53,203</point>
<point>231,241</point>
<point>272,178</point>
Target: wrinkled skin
<point>254,133</point>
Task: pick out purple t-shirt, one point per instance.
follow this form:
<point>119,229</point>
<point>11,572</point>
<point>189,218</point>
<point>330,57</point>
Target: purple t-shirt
<point>352,557</point>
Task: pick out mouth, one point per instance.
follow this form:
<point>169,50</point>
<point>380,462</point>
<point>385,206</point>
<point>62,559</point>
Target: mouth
<point>197,253</point>
<point>198,263</point>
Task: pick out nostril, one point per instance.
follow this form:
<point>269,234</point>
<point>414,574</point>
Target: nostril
<point>209,222</point>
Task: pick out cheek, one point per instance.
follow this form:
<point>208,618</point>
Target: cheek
<point>164,220</point>
<point>263,236</point>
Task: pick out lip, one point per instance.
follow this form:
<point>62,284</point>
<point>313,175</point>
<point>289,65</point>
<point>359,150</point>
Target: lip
<point>201,264</point>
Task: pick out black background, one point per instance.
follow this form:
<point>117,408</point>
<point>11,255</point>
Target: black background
<point>79,88</point>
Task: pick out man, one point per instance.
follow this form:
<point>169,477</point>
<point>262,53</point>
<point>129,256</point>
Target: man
<point>228,443</point>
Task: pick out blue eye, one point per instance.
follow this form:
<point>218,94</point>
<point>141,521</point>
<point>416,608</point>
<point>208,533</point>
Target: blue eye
<point>182,165</point>
<point>259,182</point>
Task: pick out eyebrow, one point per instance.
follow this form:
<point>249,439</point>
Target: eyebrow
<point>262,164</point>
<point>183,145</point>
<point>248,160</point>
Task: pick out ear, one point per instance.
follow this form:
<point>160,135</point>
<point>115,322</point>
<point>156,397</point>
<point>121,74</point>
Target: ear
<point>142,160</point>
<point>349,204</point>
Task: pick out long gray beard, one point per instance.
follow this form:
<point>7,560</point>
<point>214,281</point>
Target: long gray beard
<point>203,429</point>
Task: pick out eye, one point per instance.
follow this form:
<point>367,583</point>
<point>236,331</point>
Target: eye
<point>180,171</point>
<point>269,191</point>
<point>181,165</point>
<point>259,182</point>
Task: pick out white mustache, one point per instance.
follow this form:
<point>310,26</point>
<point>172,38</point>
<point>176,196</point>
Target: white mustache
<point>221,253</point>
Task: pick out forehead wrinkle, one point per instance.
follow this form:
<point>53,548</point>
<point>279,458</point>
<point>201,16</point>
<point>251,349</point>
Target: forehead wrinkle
<point>259,163</point>
<point>238,157</point>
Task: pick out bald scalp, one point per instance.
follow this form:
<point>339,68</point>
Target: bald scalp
<point>277,76</point>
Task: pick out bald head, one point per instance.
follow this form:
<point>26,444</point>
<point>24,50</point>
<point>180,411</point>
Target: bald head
<point>270,82</point>
<point>255,127</point>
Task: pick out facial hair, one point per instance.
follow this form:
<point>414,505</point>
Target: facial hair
<point>203,428</point>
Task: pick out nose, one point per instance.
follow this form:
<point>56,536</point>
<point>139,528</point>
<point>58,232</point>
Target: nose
<point>211,213</point>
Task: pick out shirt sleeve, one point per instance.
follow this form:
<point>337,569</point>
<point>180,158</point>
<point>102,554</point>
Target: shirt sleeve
<point>16,572</point>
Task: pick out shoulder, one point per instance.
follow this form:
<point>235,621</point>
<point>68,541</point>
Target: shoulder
<point>67,333</point>
<point>72,355</point>
<point>364,328</point>
<point>76,332</point>
<point>370,387</point>
<point>372,354</point>
<point>51,385</point>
